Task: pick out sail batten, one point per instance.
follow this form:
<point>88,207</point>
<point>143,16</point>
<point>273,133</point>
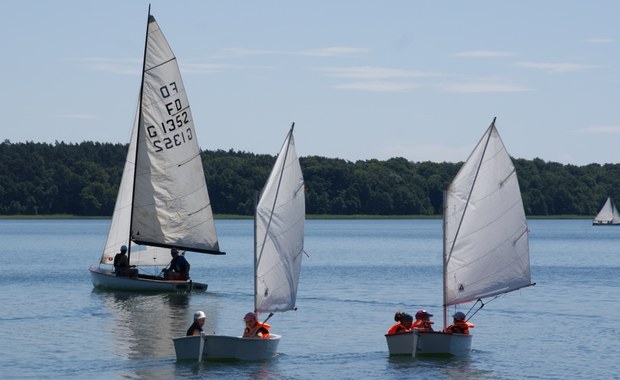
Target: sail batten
<point>485,226</point>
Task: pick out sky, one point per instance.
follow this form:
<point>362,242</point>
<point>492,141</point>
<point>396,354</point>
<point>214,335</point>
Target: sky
<point>361,79</point>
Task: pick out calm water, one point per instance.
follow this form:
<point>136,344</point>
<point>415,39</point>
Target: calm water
<point>358,273</point>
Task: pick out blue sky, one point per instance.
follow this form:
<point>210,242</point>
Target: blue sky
<point>361,79</point>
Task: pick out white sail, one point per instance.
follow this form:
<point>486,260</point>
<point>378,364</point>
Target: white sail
<point>279,235</point>
<point>171,204</point>
<point>118,234</point>
<point>608,214</point>
<point>486,249</point>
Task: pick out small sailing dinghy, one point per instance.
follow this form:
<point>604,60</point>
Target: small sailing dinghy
<point>486,248</point>
<point>608,216</point>
<point>162,200</point>
<point>278,249</point>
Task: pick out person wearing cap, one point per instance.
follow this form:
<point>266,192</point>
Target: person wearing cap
<point>403,323</point>
<point>253,328</point>
<point>121,264</point>
<point>423,321</point>
<point>199,321</point>
<point>178,269</point>
<point>460,325</point>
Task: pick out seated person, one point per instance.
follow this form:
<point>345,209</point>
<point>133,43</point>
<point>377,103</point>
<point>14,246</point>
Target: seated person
<point>178,269</point>
<point>423,321</point>
<point>196,327</point>
<point>402,325</point>
<point>121,264</point>
<point>253,328</point>
<point>460,326</point>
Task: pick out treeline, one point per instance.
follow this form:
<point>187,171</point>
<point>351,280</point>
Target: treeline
<point>83,179</point>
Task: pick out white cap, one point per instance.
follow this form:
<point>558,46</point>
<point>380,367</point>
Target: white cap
<point>199,314</point>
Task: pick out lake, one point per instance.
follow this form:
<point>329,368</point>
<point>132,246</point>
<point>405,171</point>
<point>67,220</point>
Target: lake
<point>53,324</point>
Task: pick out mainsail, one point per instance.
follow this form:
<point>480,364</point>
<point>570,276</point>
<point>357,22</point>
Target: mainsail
<point>171,206</point>
<point>486,250</point>
<point>279,233</point>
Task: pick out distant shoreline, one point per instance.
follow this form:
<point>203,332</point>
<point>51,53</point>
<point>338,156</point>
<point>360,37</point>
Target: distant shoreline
<point>334,217</point>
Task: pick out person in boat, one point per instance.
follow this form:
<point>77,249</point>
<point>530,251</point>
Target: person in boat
<point>403,323</point>
<point>254,328</point>
<point>121,264</point>
<point>460,325</point>
<point>199,321</point>
<point>178,269</point>
<point>423,321</point>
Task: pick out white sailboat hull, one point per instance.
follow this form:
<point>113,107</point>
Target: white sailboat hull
<point>440,343</point>
<point>421,343</point>
<point>223,347</point>
<point>106,279</point>
<point>400,344</point>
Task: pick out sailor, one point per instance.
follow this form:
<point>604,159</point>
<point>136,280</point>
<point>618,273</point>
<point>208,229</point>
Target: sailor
<point>121,264</point>
<point>253,328</point>
<point>460,325</point>
<point>199,321</point>
<point>178,269</point>
<point>422,321</point>
<point>402,325</point>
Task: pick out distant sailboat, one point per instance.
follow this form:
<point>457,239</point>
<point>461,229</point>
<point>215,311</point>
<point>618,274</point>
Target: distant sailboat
<point>162,200</point>
<point>608,216</point>
<point>278,250</point>
<point>486,249</point>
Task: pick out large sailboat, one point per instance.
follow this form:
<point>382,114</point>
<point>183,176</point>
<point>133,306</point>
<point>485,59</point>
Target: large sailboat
<point>278,250</point>
<point>608,215</point>
<point>162,201</point>
<point>486,248</point>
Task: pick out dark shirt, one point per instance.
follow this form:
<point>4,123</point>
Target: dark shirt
<point>179,264</point>
<point>120,262</point>
<point>194,326</point>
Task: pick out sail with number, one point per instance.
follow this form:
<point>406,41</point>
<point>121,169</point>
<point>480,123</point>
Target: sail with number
<point>486,250</point>
<point>171,206</point>
<point>279,235</point>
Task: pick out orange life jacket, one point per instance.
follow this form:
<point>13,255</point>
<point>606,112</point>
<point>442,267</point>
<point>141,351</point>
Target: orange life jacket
<point>398,328</point>
<point>460,327</point>
<point>422,325</point>
<point>259,328</point>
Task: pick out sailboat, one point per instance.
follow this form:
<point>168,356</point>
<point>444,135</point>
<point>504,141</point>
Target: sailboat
<point>278,249</point>
<point>608,216</point>
<point>162,201</point>
<point>486,248</point>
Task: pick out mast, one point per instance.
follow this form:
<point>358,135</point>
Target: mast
<point>133,191</point>
<point>445,262</point>
<point>255,251</point>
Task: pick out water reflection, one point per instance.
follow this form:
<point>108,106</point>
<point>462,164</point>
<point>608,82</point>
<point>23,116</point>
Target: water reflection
<point>143,325</point>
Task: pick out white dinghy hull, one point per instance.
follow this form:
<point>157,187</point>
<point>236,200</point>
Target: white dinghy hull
<point>106,279</point>
<point>222,347</point>
<point>429,343</point>
<point>400,344</point>
<point>440,343</point>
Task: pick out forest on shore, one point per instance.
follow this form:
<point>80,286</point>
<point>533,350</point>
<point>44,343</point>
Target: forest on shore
<point>82,179</point>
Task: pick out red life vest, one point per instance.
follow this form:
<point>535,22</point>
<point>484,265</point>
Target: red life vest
<point>398,328</point>
<point>460,327</point>
<point>258,328</point>
<point>422,325</point>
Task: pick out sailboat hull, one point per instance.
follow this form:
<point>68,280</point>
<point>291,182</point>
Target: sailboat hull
<point>222,347</point>
<point>429,343</point>
<point>440,343</point>
<point>106,279</point>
